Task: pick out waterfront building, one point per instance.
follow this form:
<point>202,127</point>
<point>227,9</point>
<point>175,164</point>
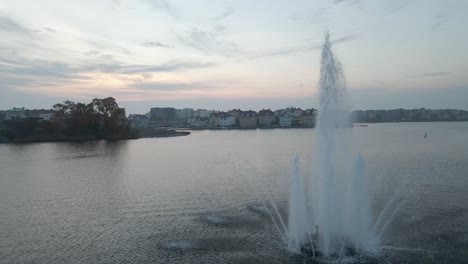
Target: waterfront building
<point>199,122</point>
<point>136,120</point>
<point>40,114</point>
<point>15,113</point>
<point>226,120</point>
<point>185,114</point>
<point>203,113</point>
<point>162,114</point>
<point>307,119</point>
<point>248,119</point>
<point>265,117</point>
<point>285,120</point>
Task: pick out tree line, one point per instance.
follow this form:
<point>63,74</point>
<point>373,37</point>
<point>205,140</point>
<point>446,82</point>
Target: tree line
<point>99,119</point>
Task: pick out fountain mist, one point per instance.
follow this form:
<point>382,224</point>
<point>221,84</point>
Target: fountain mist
<point>340,189</point>
<point>297,222</point>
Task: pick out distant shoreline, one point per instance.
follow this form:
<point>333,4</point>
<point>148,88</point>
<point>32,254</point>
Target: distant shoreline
<point>174,132</point>
<point>243,128</point>
<point>64,138</point>
<point>294,127</point>
<point>82,138</point>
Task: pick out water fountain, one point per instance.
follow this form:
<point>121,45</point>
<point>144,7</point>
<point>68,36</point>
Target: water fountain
<point>333,218</point>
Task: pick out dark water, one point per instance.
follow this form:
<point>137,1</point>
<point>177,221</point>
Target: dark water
<point>198,199</point>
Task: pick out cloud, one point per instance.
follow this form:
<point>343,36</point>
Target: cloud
<point>22,67</point>
<point>228,12</point>
<point>168,86</point>
<point>305,48</point>
<point>163,5</point>
<point>14,81</point>
<point>278,52</point>
<point>108,47</point>
<point>429,74</point>
<point>345,39</point>
<point>91,80</point>
<point>47,84</point>
<point>9,25</point>
<point>124,68</point>
<point>153,44</point>
<point>50,30</point>
<point>316,15</point>
<point>214,40</point>
<point>122,50</point>
<point>209,41</point>
<point>171,66</point>
<point>395,6</point>
<point>439,20</point>
<point>146,75</point>
<point>408,98</point>
<point>25,74</point>
<point>106,57</point>
<point>358,4</point>
<point>352,2</point>
<point>92,52</point>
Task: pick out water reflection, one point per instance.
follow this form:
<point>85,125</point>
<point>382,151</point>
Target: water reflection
<point>128,201</point>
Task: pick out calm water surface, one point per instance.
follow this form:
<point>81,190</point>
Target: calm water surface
<point>198,199</point>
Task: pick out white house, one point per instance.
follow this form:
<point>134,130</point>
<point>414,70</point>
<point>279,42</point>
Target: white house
<point>197,121</point>
<point>184,114</point>
<point>15,113</point>
<point>137,120</point>
<point>40,114</point>
<point>297,112</point>
<point>285,120</point>
<point>203,113</point>
<point>226,120</point>
<point>46,114</point>
<point>265,117</point>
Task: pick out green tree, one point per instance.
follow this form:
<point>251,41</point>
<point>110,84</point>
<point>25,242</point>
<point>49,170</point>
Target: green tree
<point>110,118</point>
<point>101,117</point>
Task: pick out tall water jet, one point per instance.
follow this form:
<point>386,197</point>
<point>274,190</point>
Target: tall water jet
<point>340,198</point>
<point>358,208</point>
<point>298,230</point>
<point>333,120</point>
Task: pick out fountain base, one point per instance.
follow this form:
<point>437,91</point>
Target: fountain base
<point>313,250</point>
<point>344,252</point>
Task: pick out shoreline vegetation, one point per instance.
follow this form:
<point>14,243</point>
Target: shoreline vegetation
<point>101,119</point>
<point>155,133</point>
<point>76,138</point>
<point>162,132</point>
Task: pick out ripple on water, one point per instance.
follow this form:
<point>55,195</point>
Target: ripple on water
<point>224,220</point>
<point>219,244</point>
<point>258,209</point>
<point>179,245</point>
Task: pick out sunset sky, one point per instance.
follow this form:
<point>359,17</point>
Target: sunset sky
<point>226,54</point>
